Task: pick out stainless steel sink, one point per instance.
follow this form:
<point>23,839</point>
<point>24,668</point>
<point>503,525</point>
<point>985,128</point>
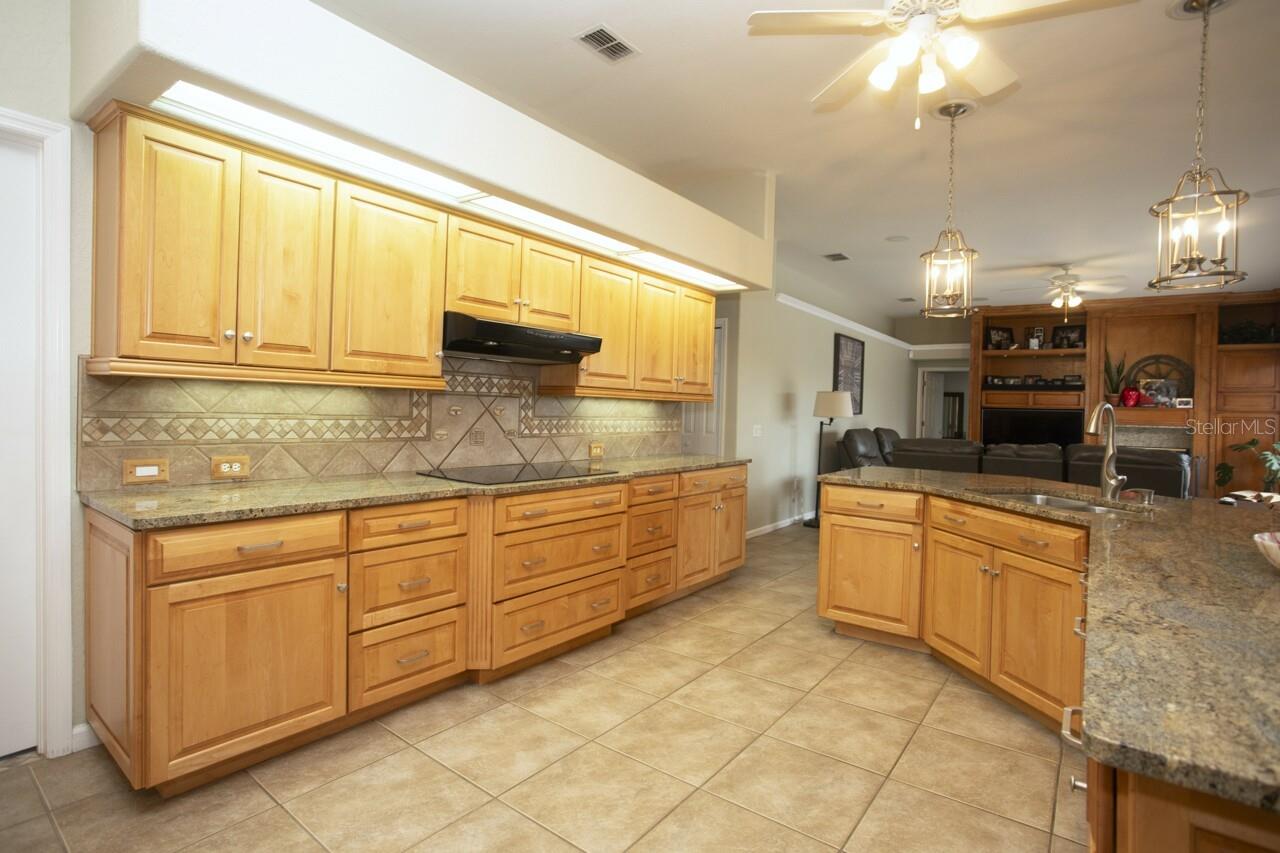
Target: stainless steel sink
<point>1057,502</point>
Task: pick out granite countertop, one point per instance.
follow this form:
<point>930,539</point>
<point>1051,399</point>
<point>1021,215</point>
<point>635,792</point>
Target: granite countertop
<point>150,508</point>
<point>1182,660</point>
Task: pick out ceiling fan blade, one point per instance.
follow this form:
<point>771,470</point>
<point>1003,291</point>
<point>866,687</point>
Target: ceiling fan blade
<point>815,22</point>
<point>974,11</point>
<point>988,73</point>
<point>853,79</point>
<point>1096,287</point>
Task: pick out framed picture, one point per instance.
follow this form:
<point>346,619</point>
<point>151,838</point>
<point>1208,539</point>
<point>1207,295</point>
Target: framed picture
<point>847,370</point>
<point>999,337</point>
<point>1184,403</point>
<point>1068,337</point>
<point>1073,379</point>
<point>1031,379</point>
<point>1162,392</point>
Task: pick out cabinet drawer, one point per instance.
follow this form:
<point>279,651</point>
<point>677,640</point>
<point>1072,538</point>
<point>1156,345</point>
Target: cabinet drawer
<point>215,549</point>
<point>409,580</point>
<point>530,560</point>
<point>648,489</point>
<point>521,512</point>
<point>1056,543</point>
<point>872,503</point>
<point>531,623</point>
<point>651,576</point>
<point>1058,399</point>
<point>651,528</point>
<point>701,482</point>
<point>385,662</point>
<point>1017,399</point>
<point>1248,402</point>
<point>400,524</point>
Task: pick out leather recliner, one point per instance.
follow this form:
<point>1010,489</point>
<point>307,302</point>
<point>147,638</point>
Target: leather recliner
<point>938,454</point>
<point>887,439</point>
<point>1166,472</point>
<point>1043,461</point>
<point>861,448</point>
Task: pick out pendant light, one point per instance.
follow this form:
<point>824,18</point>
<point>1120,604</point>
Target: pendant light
<point>1201,215</point>
<point>948,266</point>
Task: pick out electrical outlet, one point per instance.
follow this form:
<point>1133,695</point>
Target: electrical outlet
<point>476,437</point>
<point>229,468</point>
<point>757,431</point>
<point>145,471</point>
<point>596,450</point>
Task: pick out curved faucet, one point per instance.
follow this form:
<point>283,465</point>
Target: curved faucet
<point>1112,482</point>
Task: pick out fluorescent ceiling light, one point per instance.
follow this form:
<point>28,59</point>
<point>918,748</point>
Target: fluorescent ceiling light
<point>684,271</point>
<point>550,223</point>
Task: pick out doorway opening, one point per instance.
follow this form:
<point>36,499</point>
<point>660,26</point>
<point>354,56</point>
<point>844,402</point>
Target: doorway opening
<point>942,402</point>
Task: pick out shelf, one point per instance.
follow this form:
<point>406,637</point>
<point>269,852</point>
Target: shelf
<point>1248,347</point>
<point>1035,353</point>
<point>1152,416</point>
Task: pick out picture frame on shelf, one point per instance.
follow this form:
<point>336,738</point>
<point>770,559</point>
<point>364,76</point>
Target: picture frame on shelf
<point>999,337</point>
<point>1032,379</point>
<point>1184,403</point>
<point>847,369</point>
<point>1071,336</point>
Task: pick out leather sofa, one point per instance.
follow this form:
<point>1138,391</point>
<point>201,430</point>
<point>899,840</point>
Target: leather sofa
<point>1024,460</point>
<point>861,448</point>
<point>887,438</point>
<point>938,454</point>
<point>1166,472</point>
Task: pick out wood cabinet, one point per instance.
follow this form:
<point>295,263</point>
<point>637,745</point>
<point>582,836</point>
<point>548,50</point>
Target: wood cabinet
<point>550,286</point>
<point>651,527</point>
<point>870,573</point>
<point>388,282</point>
<point>1248,380</point>
<point>695,342</point>
<point>650,577</point>
<point>403,581</point>
<point>711,529</point>
<point>531,623</point>
<point>957,599</point>
<point>1152,816</point>
<point>483,277</point>
<point>1237,429</point>
<point>658,310</point>
<point>731,530</point>
<point>608,311</point>
<point>396,659</point>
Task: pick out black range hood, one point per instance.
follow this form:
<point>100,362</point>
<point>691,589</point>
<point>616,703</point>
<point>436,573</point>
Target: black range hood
<point>472,337</point>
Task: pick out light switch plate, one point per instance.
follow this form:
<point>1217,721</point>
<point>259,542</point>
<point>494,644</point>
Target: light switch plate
<point>229,468</point>
<point>137,471</point>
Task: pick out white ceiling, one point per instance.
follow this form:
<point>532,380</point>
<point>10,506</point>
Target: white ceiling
<point>1060,168</point>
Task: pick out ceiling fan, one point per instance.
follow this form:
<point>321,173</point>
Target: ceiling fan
<point>1065,288</point>
<point>927,33</point>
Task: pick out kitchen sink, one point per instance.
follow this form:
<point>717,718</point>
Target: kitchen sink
<point>1057,502</point>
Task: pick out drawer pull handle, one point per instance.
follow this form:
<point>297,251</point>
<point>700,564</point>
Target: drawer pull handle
<point>604,602</point>
<point>414,525</point>
<point>533,626</point>
<point>652,579</point>
<point>263,546</point>
<point>534,513</point>
<point>1079,784</point>
<point>955,520</point>
<point>602,501</point>
<point>1067,713</point>
<point>737,479</point>
<point>699,482</point>
<point>870,505</point>
<point>653,529</point>
<point>534,561</point>
<point>656,490</point>
<point>414,584</point>
<point>413,658</point>
<point>1078,628</point>
<point>604,546</point>
<point>1027,540</point>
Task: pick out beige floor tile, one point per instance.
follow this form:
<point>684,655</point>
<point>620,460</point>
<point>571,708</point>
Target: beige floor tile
<point>707,824</point>
<point>741,620</point>
<point>495,827</point>
<point>1012,784</point>
<point>275,831</point>
<point>1062,845</point>
<point>35,835</point>
<point>904,819</point>
<point>389,805</point>
<point>646,625</point>
<point>598,799</point>
<point>773,601</point>
<point>436,713</point>
<point>142,821</point>
<point>804,587</point>
<point>738,698</point>
<point>783,664</point>
<point>597,651</point>
<point>984,717</point>
<point>19,797</point>
<point>651,669</point>
<point>880,690</point>
<point>808,792</point>
<point>681,741</point>
<point>1068,817</point>
<point>530,679</point>
<point>810,633</point>
<point>869,739</point>
<point>701,642</point>
<point>958,679</point>
<point>308,767</point>
<point>901,661</point>
<point>686,608</point>
<point>501,747</point>
<point>586,703</point>
<point>78,775</point>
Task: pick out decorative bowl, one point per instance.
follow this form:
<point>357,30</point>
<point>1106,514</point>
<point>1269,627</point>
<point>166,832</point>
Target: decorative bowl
<point>1269,545</point>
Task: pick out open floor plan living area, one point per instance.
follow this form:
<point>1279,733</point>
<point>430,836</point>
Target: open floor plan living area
<point>602,426</point>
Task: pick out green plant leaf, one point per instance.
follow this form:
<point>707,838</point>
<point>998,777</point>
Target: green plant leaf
<point>1248,445</point>
<point>1223,473</point>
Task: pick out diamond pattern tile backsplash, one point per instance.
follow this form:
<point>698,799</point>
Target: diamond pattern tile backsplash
<point>490,415</point>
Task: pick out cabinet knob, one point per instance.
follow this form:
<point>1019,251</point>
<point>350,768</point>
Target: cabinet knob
<point>915,546</point>
<point>248,336</point>
<point>582,369</point>
<point>984,569</point>
<point>342,587</point>
<point>1078,784</point>
<point>229,334</point>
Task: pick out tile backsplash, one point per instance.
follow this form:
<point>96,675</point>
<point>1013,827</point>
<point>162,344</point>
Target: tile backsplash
<point>490,415</point>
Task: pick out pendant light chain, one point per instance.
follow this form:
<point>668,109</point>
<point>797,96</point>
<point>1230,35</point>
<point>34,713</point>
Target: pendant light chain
<point>1198,162</point>
<point>951,179</point>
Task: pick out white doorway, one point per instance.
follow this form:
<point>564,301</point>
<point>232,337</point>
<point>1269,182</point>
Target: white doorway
<point>703,430</point>
<point>942,402</point>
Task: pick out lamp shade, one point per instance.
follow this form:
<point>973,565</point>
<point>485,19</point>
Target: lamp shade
<point>833,404</point>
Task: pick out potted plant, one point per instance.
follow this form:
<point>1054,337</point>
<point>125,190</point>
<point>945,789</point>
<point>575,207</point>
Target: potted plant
<point>1270,464</point>
<point>1113,378</point>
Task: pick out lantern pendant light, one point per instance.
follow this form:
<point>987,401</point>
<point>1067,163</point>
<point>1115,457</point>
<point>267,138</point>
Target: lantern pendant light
<point>1201,215</point>
<point>948,267</point>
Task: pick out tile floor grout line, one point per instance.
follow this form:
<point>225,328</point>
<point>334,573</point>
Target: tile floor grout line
<point>48,806</point>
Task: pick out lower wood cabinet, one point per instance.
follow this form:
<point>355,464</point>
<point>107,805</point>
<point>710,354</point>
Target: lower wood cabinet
<point>712,536</point>
<point>957,595</point>
<point>408,580</point>
<point>531,623</point>
<point>870,571</point>
<point>651,527</point>
<point>650,577</point>
<point>386,662</point>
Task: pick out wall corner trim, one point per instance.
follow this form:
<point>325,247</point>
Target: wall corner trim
<point>937,352</point>
<point>801,305</point>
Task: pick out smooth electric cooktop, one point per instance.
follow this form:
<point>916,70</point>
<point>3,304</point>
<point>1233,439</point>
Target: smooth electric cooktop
<point>496,475</point>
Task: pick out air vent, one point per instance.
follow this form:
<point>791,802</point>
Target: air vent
<point>906,299</point>
<point>604,43</point>
<point>836,256</point>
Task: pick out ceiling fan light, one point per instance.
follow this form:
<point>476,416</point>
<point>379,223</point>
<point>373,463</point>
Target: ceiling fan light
<point>904,49</point>
<point>1057,301</point>
<point>960,49</point>
<point>1074,301</point>
<point>883,76</point>
<point>931,77</point>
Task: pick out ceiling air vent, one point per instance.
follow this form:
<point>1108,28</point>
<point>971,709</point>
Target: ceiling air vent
<point>600,41</point>
<point>836,256</point>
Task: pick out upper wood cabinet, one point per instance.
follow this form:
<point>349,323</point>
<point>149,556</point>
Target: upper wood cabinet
<point>869,573</point>
<point>388,284</point>
<point>658,305</point>
<point>550,286</point>
<point>695,341</point>
<point>286,265</point>
<point>483,277</point>
<point>608,311</point>
<point>177,225</point>
<point>1248,381</point>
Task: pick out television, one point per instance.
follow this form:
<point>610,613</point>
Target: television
<point>1032,426</point>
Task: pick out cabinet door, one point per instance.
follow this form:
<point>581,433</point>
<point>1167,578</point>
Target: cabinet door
<point>388,284</point>
<point>696,537</point>
<point>550,286</point>
<point>286,266</point>
<point>695,341</point>
<point>180,221</point>
<point>957,599</point>
<point>869,573</point>
<point>609,312</point>
<point>1247,468</point>
<point>1034,654</point>
<point>239,661</point>
<point>1248,381</point>
<point>731,530</point>
<point>657,309</point>
<point>484,271</point>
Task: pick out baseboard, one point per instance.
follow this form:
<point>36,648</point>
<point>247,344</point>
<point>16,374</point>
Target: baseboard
<point>778,525</point>
<point>82,737</point>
